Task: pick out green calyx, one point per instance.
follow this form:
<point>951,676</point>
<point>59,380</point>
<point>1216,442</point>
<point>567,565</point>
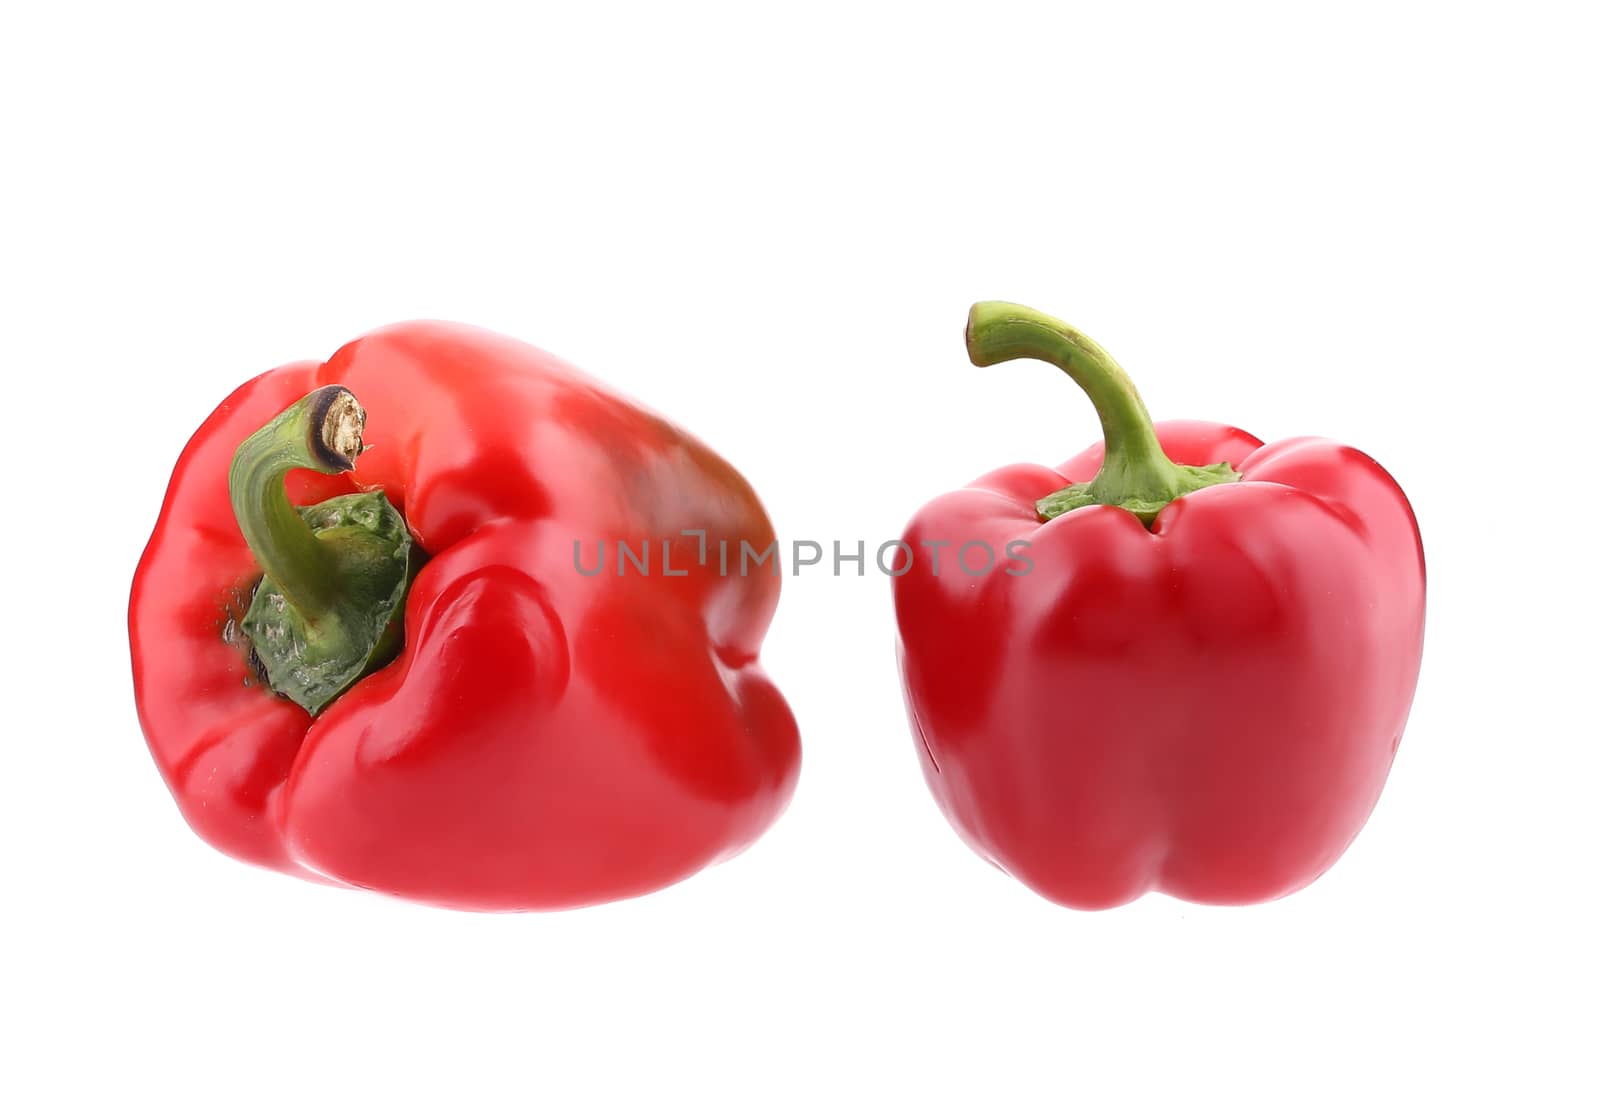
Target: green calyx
<point>1136,474</point>
<point>330,604</point>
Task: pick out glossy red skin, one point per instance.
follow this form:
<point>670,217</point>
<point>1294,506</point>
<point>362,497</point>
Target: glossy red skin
<point>1208,708</point>
<point>546,739</point>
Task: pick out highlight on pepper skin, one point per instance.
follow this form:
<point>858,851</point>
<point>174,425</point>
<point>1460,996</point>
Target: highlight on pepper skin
<point>378,669</point>
<point>1200,686</point>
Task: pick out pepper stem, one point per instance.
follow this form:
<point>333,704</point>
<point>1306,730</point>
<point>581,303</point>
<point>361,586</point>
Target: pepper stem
<point>328,609</point>
<point>1136,475</point>
<point>321,432</point>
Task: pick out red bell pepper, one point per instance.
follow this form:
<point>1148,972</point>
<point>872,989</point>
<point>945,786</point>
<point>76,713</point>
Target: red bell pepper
<point>1193,674</point>
<point>545,737</point>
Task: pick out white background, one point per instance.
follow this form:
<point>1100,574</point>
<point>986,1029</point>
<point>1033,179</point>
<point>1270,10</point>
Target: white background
<point>1376,223</point>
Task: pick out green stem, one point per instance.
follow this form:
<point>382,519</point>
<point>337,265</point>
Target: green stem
<point>329,608</point>
<point>321,432</point>
<point>1136,475</point>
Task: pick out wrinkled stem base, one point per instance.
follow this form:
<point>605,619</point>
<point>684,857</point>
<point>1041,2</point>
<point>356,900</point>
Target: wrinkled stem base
<point>312,661</point>
<point>1147,505</point>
